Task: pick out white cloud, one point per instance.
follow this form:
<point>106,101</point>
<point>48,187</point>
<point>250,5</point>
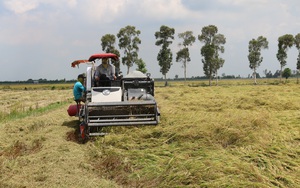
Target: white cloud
<point>36,21</point>
<point>163,9</point>
<point>24,6</point>
<point>175,11</point>
<point>71,3</point>
<point>102,10</point>
<point>20,6</point>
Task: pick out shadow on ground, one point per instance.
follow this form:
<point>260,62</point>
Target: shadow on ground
<point>73,135</point>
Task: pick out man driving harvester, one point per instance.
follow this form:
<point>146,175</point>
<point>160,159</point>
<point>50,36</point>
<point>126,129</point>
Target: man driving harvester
<point>104,73</point>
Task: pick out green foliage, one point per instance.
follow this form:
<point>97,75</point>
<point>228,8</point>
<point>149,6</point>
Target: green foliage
<point>213,44</point>
<point>188,38</point>
<point>298,61</point>
<point>284,43</point>
<point>297,44</point>
<point>141,66</point>
<point>164,38</point>
<point>287,72</point>
<point>297,41</point>
<point>164,58</point>
<point>108,45</point>
<point>207,52</point>
<point>254,57</point>
<point>129,41</point>
<point>207,34</point>
<point>183,54</point>
<point>107,42</point>
<point>255,47</point>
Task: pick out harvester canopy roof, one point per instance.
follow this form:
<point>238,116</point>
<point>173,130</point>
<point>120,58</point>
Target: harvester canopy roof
<point>94,57</point>
<point>101,56</point>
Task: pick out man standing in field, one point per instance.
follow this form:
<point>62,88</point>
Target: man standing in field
<point>79,89</point>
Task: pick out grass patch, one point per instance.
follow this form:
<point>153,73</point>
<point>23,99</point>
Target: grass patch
<point>25,87</point>
<point>19,115</point>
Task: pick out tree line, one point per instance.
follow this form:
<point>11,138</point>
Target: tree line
<point>128,41</point>
<point>211,50</point>
<point>284,43</point>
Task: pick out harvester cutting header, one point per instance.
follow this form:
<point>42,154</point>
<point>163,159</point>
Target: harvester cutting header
<point>113,100</point>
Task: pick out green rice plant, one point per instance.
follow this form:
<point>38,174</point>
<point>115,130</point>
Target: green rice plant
<point>15,114</point>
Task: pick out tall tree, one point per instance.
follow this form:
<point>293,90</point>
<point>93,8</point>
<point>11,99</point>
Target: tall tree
<point>164,38</point>
<point>129,41</point>
<point>284,43</point>
<point>297,44</point>
<point>108,42</point>
<point>254,57</point>
<point>213,44</point>
<point>218,40</point>
<point>183,54</point>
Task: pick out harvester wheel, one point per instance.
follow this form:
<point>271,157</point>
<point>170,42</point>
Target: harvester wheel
<point>83,133</point>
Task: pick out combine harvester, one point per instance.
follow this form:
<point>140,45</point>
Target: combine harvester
<point>128,101</point>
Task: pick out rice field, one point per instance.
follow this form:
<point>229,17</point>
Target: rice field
<point>233,135</point>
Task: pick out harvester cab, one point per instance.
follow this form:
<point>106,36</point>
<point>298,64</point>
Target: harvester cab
<point>127,101</point>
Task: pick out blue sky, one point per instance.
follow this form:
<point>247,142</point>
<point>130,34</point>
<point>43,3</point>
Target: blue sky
<point>40,38</point>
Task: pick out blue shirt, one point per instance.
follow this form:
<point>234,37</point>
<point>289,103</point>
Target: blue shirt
<point>77,90</point>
